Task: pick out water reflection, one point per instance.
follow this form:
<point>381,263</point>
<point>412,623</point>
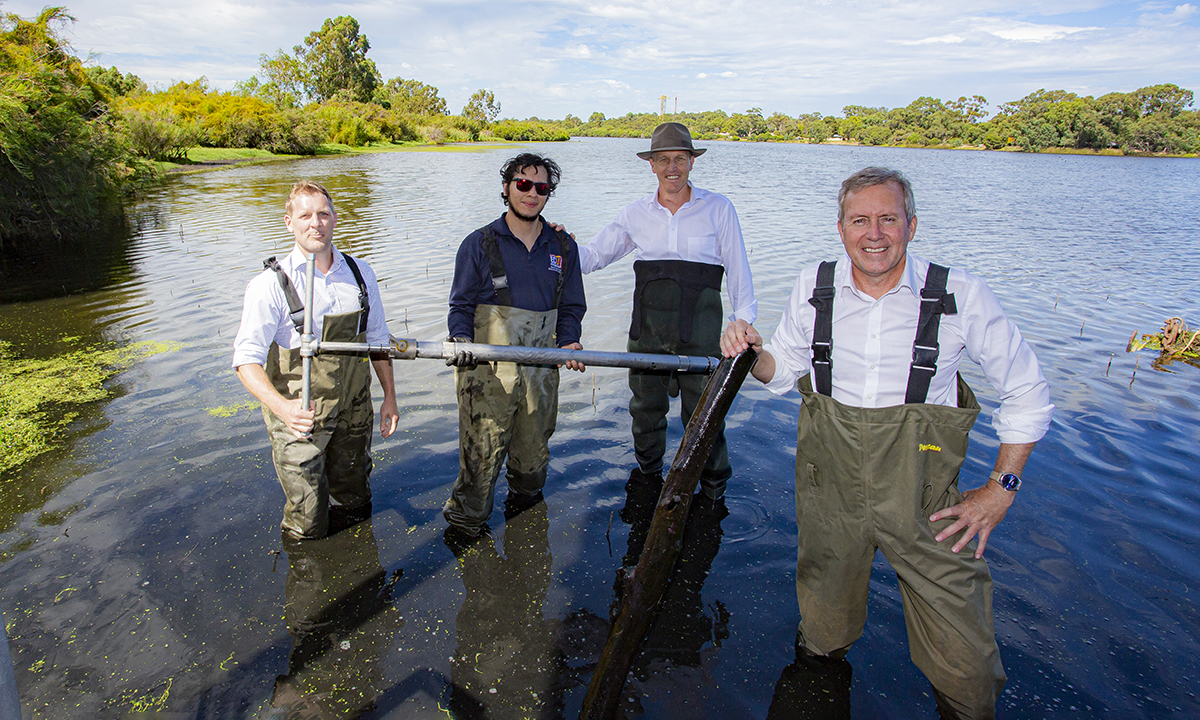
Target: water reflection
<point>683,626</point>
<point>506,660</point>
<point>341,619</point>
<point>66,266</point>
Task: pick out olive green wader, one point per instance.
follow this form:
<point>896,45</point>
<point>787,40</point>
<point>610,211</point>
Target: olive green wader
<point>503,409</point>
<point>867,479</point>
<point>677,311</point>
<point>333,464</point>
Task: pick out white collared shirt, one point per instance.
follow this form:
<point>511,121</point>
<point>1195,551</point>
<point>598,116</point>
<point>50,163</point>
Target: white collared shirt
<point>705,230</point>
<point>873,340</point>
<point>265,310</point>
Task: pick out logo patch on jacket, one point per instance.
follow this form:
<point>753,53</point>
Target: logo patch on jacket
<point>923,447</point>
<point>556,263</point>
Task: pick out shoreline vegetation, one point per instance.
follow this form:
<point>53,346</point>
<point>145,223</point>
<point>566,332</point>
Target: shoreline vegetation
<point>77,140</point>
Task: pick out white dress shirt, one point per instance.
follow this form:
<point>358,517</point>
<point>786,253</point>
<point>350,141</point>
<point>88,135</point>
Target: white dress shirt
<point>873,341</point>
<point>704,230</point>
<point>265,310</point>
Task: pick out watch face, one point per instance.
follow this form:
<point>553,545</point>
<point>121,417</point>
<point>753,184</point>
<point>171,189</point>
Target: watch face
<point>1009,482</point>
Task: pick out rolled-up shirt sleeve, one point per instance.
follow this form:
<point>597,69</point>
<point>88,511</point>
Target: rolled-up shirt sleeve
<point>263,310</point>
<point>1009,364</point>
<point>737,265</point>
<point>612,243</point>
<point>791,345</point>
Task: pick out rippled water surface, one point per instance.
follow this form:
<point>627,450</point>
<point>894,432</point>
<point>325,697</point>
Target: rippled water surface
<point>145,569</point>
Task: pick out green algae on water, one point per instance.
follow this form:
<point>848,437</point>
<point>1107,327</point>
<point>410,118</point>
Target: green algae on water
<point>40,397</point>
<point>225,411</point>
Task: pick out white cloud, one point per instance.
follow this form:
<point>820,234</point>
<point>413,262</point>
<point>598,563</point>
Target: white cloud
<point>952,39</point>
<point>1030,32</point>
<point>1176,17</point>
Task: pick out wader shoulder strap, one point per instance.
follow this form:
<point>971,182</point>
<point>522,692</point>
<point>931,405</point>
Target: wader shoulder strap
<point>364,300</point>
<point>566,246</point>
<point>934,302</point>
<point>499,275</point>
<point>295,307</point>
<point>822,344</point>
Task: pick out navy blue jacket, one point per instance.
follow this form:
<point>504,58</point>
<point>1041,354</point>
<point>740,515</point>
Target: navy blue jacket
<point>532,280</point>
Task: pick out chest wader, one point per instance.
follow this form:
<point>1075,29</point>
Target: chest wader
<point>333,464</point>
<point>869,478</point>
<point>677,311</point>
<point>504,409</point>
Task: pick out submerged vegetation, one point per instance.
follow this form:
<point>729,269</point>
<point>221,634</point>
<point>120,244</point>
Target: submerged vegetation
<point>40,398</point>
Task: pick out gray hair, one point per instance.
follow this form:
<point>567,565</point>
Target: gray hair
<point>870,177</point>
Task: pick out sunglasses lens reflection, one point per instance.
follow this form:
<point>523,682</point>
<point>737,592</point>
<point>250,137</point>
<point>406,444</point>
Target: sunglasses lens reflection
<point>523,185</point>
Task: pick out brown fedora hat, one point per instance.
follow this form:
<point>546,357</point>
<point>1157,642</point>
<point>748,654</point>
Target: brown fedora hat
<point>670,136</point>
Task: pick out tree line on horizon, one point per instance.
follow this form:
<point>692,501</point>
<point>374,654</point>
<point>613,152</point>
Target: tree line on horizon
<point>75,140</point>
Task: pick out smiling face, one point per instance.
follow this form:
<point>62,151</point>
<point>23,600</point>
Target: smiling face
<point>311,219</point>
<point>875,232</point>
<point>527,205</point>
<point>672,168</point>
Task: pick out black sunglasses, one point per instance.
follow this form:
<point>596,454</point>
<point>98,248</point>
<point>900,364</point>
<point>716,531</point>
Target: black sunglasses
<point>523,185</point>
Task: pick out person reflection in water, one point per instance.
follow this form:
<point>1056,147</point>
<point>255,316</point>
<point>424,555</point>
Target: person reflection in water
<point>506,662</point>
<point>340,615</point>
<point>683,626</point>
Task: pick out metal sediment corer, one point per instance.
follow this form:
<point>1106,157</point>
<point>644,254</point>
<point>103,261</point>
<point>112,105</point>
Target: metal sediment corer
<point>409,349</point>
<point>644,586</point>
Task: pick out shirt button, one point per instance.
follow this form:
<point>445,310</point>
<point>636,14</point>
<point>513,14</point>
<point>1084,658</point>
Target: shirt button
<point>872,367</point>
<point>870,397</point>
<point>874,335</point>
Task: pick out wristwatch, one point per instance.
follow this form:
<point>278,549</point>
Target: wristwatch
<point>1008,481</point>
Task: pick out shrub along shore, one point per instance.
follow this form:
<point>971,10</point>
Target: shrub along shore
<point>76,140</point>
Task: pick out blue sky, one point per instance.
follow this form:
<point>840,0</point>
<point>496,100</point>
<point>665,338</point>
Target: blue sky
<point>550,58</point>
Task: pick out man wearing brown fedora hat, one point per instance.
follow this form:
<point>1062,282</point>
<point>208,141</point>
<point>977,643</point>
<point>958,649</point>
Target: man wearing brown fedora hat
<point>685,240</point>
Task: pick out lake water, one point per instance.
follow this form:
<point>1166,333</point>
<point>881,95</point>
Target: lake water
<point>145,569</point>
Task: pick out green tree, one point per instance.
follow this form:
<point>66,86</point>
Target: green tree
<point>63,160</point>
<point>114,82</point>
<point>482,108</point>
<point>335,61</point>
<point>411,96</point>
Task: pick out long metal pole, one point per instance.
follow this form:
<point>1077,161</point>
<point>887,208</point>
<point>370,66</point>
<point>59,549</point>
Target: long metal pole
<point>409,349</point>
<point>307,344</point>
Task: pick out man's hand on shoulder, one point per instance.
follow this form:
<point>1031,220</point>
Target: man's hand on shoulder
<point>980,511</point>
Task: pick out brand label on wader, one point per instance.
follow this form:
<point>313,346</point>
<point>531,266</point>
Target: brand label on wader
<point>556,263</point>
<point>923,448</point>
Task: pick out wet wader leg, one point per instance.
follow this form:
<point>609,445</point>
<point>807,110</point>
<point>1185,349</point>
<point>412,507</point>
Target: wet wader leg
<point>484,432</point>
<point>648,408</point>
<point>836,547</point>
<point>348,454</point>
<point>951,633</point>
<point>706,340</point>
<point>300,467</point>
<point>534,421</point>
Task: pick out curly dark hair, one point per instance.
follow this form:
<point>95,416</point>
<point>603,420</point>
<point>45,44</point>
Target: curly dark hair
<point>528,160</point>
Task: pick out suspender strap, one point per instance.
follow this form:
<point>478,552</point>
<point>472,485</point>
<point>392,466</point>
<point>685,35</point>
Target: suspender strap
<point>499,274</point>
<point>822,345</point>
<point>491,249</point>
<point>364,300</point>
<point>934,302</point>
<point>295,307</point>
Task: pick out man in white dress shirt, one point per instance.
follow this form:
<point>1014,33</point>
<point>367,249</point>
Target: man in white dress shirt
<point>322,453</point>
<point>685,241</point>
<point>879,337</point>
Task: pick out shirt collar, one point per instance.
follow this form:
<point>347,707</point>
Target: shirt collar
<point>297,258</point>
<point>909,280</point>
<point>500,227</point>
<point>698,195</point>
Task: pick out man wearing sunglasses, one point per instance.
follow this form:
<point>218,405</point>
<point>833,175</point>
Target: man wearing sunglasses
<point>685,241</point>
<point>517,281</point>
